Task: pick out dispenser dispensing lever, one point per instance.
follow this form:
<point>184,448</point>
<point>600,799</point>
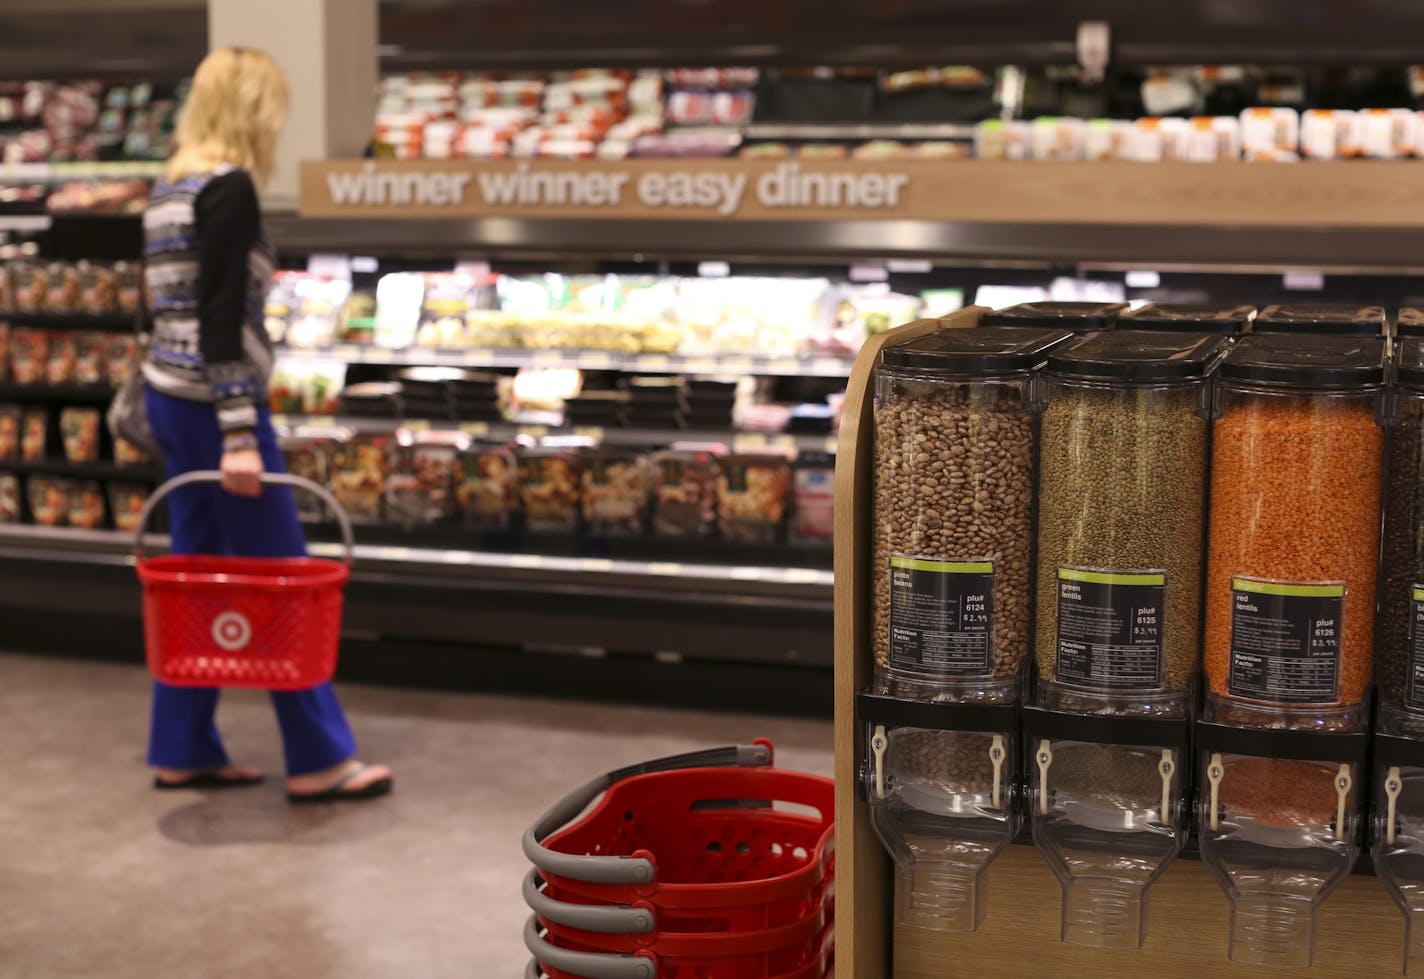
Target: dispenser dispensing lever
<point>1393,786</point>
<point>878,743</point>
<point>1343,782</point>
<point>1167,767</point>
<point>1044,757</point>
<point>1214,771</point>
<point>997,754</point>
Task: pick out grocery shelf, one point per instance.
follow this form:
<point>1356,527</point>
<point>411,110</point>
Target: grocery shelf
<point>698,611</point>
<point>61,172</point>
<point>649,363</point>
<point>906,130</point>
<point>74,321</point>
<point>73,393</point>
<point>739,441</point>
<point>83,470</point>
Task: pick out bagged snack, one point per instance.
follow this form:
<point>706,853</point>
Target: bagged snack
<point>98,288</point>
<point>685,491</point>
<point>126,502</point>
<point>34,435</point>
<point>421,483</point>
<point>9,498</point>
<point>120,357</point>
<point>29,355</point>
<point>128,454</point>
<point>29,286</point>
<point>62,288</point>
<point>129,278</point>
<point>63,356</point>
<point>89,351</point>
<point>549,489</point>
<point>752,493</point>
<point>486,489</point>
<point>813,486</point>
<point>10,416</point>
<point>49,500</point>
<point>86,505</point>
<point>358,476</point>
<point>616,492</point>
<point>79,428</point>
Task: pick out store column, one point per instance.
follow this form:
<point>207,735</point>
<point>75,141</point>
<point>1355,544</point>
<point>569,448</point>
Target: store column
<point>328,50</point>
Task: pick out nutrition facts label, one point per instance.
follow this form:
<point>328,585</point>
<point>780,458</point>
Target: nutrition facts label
<point>1109,628</point>
<point>940,612</point>
<point>1285,640</point>
<point>1414,677</point>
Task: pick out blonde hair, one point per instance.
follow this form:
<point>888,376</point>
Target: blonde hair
<point>234,114</point>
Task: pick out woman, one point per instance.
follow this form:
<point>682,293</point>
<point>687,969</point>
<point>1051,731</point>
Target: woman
<point>207,268</point>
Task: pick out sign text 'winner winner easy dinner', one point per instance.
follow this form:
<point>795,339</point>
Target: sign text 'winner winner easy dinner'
<point>722,190</point>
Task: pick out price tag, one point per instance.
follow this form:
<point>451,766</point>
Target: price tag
<point>475,428</point>
<point>831,366</point>
<point>279,419</point>
<point>786,365</point>
<point>546,358</point>
<point>365,264</point>
<point>597,564</point>
<point>593,433</point>
<point>802,576</point>
<point>783,441</point>
<point>652,362</point>
<point>330,266</point>
<point>909,266</point>
<point>700,365</point>
<point>533,431</point>
<point>525,561</point>
<point>869,273</point>
<point>348,351</point>
<point>417,425</point>
<point>737,365</point>
<point>747,574</point>
<point>596,361</point>
<point>668,568</point>
<point>477,356</point>
<point>475,270</point>
<point>753,440</point>
<point>459,557</point>
<point>393,553</point>
<point>714,270</point>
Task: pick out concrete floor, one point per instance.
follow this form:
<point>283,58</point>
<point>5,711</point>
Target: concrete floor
<point>101,876</point>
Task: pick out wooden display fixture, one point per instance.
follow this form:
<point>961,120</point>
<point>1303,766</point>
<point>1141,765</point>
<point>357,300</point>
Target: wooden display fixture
<point>1359,931</point>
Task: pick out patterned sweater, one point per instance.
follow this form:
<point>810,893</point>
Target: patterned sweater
<point>208,267</point>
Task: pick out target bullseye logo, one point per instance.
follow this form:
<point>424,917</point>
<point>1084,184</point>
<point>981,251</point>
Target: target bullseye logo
<point>232,631</point>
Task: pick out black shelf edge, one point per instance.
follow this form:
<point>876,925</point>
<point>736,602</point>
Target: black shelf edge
<point>100,323</point>
<point>82,470</point>
<point>82,393</point>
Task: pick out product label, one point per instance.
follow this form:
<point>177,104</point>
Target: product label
<point>1285,640</point>
<point>940,613</point>
<point>1414,677</point>
<point>1110,628</point>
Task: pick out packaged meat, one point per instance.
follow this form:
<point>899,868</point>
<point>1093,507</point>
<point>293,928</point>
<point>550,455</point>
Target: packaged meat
<point>79,429</point>
<point>752,494</point>
<point>420,485</point>
<point>62,288</point>
<point>34,435</point>
<point>49,500</point>
<point>685,491</point>
<point>86,505</point>
<point>549,489</point>
<point>10,416</point>
<point>486,491</point>
<point>29,286</point>
<point>63,357</point>
<point>98,288</point>
<point>89,351</point>
<point>813,480</point>
<point>29,355</point>
<point>616,491</point>
<point>358,476</point>
<point>9,498</point>
<point>126,502</point>
<point>120,357</point>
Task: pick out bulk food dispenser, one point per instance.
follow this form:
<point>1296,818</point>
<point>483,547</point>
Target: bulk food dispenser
<point>1079,317</point>
<point>954,453</point>
<point>1397,833</point>
<point>1121,502</point>
<point>1297,454</point>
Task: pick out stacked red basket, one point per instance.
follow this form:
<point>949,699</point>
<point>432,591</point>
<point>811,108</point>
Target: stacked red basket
<point>711,865</point>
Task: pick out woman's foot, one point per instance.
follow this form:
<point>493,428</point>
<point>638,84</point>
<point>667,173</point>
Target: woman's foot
<point>351,779</point>
<point>228,776</point>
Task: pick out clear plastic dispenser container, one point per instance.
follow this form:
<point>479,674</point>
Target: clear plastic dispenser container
<point>1409,323</point>
<point>1188,318</point>
<point>1397,834</point>
<point>1077,317</point>
<point>1322,319</point>
<point>955,438</point>
<point>1297,457</point>
<point>1122,486</point>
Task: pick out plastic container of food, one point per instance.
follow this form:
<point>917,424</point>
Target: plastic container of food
<point>1329,319</point>
<point>1297,460</point>
<point>550,481</point>
<point>1399,672</point>
<point>420,487</point>
<point>1188,318</point>
<point>358,476</point>
<point>1078,317</point>
<point>308,452</point>
<point>685,489</point>
<point>486,487</point>
<point>753,493</point>
<point>1121,503</point>
<point>617,490</point>
<point>813,481</point>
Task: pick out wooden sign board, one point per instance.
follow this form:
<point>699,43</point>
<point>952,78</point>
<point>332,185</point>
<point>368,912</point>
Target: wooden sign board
<point>1358,193</point>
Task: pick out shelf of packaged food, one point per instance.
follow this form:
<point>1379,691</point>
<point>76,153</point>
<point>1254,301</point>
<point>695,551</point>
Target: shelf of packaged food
<point>906,130</point>
<point>71,393</point>
<point>73,321</point>
<point>597,360</point>
<point>739,441</point>
<point>61,172</point>
<point>82,470</point>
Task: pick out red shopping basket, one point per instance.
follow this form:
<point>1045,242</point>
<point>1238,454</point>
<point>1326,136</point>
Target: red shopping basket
<point>269,623</point>
<point>704,839</point>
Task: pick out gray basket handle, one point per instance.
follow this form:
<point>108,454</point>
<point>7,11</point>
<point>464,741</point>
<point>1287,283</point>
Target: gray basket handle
<point>590,965</point>
<point>622,870</point>
<point>268,479</point>
<point>608,919</point>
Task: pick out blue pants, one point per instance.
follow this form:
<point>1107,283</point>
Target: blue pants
<point>206,519</point>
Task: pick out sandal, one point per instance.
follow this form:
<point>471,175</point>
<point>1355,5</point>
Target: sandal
<point>339,792</point>
<point>210,778</point>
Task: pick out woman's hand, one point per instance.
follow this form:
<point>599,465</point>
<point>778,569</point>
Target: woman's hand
<point>242,471</point>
